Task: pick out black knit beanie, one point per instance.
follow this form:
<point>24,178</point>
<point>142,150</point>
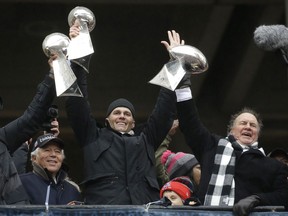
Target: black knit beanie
<point>121,102</point>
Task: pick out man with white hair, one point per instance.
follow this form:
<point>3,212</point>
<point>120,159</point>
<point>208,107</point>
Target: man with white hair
<point>49,183</point>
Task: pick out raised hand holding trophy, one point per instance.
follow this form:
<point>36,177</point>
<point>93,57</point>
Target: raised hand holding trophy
<point>65,79</point>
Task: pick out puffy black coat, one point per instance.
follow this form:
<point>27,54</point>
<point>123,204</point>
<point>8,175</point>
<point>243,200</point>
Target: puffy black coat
<point>17,132</point>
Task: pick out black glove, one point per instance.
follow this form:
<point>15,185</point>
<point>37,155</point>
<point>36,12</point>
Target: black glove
<point>173,66</point>
<point>192,201</point>
<point>244,206</point>
<point>185,82</point>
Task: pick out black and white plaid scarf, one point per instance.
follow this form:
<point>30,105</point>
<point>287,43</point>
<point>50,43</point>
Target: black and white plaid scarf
<point>221,188</point>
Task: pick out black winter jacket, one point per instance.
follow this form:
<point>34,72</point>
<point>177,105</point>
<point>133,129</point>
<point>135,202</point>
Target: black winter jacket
<point>119,168</point>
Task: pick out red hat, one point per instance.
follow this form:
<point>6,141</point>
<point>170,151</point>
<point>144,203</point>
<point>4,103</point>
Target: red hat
<point>181,189</point>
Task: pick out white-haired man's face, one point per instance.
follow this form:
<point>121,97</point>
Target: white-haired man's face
<point>50,157</point>
<point>245,129</point>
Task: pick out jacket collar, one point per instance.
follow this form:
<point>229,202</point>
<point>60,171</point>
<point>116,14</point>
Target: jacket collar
<point>44,173</point>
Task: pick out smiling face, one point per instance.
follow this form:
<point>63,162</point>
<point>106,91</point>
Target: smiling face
<point>121,119</point>
<point>50,157</point>
<point>245,129</point>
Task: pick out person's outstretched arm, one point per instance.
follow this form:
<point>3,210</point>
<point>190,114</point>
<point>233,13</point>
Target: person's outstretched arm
<point>15,133</point>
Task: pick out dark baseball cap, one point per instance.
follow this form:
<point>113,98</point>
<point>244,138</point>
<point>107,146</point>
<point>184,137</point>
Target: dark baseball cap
<point>47,138</point>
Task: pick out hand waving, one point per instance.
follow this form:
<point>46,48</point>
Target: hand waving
<point>174,39</point>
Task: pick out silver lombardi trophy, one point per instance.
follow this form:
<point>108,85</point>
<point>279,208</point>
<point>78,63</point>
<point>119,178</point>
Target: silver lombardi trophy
<point>185,59</point>
<point>65,79</point>
<point>81,46</point>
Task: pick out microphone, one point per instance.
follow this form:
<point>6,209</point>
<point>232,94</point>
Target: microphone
<point>272,38</point>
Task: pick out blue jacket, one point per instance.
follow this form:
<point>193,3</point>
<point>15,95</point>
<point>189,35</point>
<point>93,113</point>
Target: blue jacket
<point>40,186</point>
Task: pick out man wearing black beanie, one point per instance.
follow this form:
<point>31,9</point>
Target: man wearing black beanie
<point>121,102</point>
<point>119,164</point>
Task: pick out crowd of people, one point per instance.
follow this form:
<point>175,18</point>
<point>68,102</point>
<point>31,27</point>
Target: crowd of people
<point>125,167</point>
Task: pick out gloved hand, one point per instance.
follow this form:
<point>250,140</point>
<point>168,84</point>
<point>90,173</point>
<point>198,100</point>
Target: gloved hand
<point>244,206</point>
<point>185,82</point>
<point>192,201</point>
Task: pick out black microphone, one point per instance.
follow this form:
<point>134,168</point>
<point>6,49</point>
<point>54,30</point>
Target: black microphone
<point>272,38</point>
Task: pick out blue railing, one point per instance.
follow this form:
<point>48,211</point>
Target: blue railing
<point>111,210</point>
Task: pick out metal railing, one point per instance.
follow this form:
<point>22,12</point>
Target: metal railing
<point>117,210</point>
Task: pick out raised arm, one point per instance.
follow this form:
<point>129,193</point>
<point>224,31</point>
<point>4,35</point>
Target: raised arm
<point>15,133</point>
<point>161,172</point>
<point>78,108</point>
<point>163,115</point>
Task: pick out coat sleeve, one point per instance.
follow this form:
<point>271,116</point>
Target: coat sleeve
<point>78,109</point>
<point>201,141</point>
<point>161,119</point>
<point>197,136</point>
<point>15,133</point>
<point>279,195</point>
<point>20,157</point>
<point>160,168</point>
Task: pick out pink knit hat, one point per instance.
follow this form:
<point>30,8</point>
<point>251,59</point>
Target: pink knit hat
<point>178,164</point>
